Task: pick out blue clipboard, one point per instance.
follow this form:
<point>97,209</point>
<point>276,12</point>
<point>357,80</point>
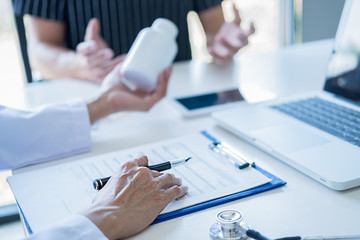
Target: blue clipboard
<point>274,183</point>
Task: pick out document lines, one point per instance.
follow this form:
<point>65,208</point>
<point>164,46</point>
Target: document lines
<point>211,179</point>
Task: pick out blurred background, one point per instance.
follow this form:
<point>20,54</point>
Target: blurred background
<point>278,23</point>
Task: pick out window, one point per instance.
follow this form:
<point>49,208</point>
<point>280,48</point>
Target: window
<point>268,17</point>
<point>273,21</point>
<point>11,77</point>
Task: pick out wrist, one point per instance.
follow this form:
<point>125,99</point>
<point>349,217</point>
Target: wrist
<point>99,107</point>
<point>105,220</point>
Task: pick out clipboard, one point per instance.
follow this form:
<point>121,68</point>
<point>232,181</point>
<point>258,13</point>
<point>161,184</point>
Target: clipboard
<point>274,183</point>
<point>75,194</point>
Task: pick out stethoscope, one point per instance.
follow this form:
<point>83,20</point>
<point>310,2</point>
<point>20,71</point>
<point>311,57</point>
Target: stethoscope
<point>230,226</point>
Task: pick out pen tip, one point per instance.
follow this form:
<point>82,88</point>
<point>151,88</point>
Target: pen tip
<point>188,159</point>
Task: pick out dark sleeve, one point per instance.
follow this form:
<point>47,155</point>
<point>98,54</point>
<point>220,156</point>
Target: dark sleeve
<point>201,5</point>
<point>49,9</point>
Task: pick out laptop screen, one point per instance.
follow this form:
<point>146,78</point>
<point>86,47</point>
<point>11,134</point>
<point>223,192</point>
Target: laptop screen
<point>343,73</point>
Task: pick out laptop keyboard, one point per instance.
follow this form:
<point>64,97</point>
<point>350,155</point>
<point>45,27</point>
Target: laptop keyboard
<point>340,121</point>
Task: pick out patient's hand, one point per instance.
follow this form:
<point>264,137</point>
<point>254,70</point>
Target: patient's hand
<point>230,38</point>
<point>95,59</point>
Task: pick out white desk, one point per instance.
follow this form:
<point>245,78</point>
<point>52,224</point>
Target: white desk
<point>302,207</point>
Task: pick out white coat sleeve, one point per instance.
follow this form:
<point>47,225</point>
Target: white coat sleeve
<point>75,227</point>
<point>43,134</point>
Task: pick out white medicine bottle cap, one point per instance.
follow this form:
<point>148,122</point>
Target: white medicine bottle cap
<point>165,25</point>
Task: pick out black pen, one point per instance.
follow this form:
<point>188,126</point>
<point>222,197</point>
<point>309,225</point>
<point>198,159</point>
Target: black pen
<point>100,182</point>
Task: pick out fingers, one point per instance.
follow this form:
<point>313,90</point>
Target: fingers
<point>97,67</point>
<point>135,163</point>
<point>168,180</point>
<point>93,42</point>
<point>101,57</point>
<point>94,52</point>
<point>147,100</point>
<point>120,58</point>
<point>86,48</point>
<point>233,45</point>
<point>174,192</point>
<point>220,53</point>
<point>122,99</point>
<point>230,39</point>
<point>141,161</point>
<point>161,89</point>
<point>98,64</point>
<point>171,187</point>
<point>252,29</point>
<point>237,19</point>
<point>163,81</point>
<point>245,34</point>
<point>92,30</point>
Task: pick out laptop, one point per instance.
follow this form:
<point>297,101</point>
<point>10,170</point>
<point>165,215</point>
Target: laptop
<point>317,133</point>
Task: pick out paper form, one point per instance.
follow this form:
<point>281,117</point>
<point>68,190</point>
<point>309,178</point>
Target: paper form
<point>50,194</point>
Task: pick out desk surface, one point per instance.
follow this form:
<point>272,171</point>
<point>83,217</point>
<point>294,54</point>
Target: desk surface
<point>302,207</point>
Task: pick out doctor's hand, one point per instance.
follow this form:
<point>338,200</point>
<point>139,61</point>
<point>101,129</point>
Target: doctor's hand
<point>230,39</point>
<point>94,58</point>
<point>114,96</point>
<point>132,198</point>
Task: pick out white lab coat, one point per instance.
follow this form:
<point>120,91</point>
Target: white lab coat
<point>44,134</point>
<point>75,227</point>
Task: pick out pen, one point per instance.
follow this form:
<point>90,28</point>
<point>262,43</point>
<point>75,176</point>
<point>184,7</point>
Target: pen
<point>226,151</point>
<point>100,182</point>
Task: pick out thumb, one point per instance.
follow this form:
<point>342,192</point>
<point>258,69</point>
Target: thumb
<point>92,30</point>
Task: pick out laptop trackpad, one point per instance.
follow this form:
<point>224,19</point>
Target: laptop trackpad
<point>288,138</point>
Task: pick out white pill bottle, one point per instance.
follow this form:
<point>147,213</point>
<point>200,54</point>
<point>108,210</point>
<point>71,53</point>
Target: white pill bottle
<point>153,50</point>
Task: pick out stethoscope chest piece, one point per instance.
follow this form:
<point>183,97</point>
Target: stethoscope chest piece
<point>229,226</point>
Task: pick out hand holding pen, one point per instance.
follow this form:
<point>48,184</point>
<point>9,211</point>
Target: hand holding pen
<point>132,199</point>
<point>100,182</point>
